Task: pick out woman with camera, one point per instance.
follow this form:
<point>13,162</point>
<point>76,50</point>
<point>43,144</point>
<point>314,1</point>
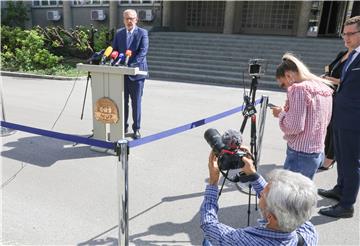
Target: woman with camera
<point>305,115</point>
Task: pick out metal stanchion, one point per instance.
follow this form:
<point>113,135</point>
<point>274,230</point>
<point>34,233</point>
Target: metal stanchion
<point>3,130</point>
<point>122,150</point>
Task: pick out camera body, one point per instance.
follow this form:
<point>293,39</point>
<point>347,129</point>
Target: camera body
<point>229,157</point>
<point>257,67</point>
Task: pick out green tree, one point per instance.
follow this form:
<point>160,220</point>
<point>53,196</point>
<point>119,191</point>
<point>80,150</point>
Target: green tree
<point>15,14</point>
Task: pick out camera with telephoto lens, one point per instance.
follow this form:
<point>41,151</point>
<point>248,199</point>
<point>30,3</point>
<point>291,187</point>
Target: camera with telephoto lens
<point>226,148</point>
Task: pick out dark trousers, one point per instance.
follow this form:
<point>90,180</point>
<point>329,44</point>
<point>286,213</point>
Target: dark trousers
<point>347,154</point>
<point>133,90</point>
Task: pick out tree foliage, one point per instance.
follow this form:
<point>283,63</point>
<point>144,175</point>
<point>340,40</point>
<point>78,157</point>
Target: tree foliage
<point>15,14</point>
<point>24,50</point>
<point>44,48</point>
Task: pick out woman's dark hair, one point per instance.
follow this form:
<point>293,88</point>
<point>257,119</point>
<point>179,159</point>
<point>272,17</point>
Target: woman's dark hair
<point>285,66</point>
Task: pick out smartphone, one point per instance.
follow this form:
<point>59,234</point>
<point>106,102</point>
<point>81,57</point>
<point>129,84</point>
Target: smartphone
<point>270,105</point>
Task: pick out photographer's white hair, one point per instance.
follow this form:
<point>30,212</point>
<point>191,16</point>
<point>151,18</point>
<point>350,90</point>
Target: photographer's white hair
<point>292,198</point>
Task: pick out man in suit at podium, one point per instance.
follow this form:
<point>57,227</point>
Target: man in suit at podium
<point>133,38</point>
<point>346,126</point>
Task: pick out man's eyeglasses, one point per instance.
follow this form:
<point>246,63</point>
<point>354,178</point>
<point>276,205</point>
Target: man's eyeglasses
<point>130,19</point>
<point>349,34</point>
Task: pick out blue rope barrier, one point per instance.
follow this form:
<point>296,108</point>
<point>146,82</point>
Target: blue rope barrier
<point>63,136</point>
<point>186,127</point>
<point>131,144</point>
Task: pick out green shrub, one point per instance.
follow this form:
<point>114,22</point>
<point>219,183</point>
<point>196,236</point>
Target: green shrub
<point>100,39</point>
<point>24,50</point>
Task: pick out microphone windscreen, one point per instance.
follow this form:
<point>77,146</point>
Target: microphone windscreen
<point>114,54</point>
<point>232,138</point>
<point>108,51</point>
<point>128,52</point>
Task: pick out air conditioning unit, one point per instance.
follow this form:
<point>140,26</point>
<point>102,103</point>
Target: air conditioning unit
<point>53,15</point>
<point>145,14</point>
<point>98,15</point>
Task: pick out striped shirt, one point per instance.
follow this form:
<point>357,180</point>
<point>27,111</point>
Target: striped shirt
<point>220,234</point>
<point>306,115</point>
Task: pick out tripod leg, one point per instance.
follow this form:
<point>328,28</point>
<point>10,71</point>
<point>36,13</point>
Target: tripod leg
<point>249,204</point>
<point>243,124</point>
<point>83,106</point>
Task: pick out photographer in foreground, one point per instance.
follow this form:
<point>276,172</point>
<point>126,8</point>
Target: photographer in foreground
<point>286,204</point>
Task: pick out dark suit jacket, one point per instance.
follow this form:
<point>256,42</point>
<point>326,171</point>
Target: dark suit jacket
<point>139,47</point>
<point>347,99</point>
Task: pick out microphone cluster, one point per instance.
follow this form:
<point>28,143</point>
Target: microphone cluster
<point>115,58</point>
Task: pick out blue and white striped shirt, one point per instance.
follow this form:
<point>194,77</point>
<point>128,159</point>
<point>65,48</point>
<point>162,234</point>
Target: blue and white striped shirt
<point>220,234</point>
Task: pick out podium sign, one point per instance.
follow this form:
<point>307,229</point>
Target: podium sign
<point>107,86</point>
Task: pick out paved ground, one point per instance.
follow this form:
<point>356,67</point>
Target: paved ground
<point>56,194</point>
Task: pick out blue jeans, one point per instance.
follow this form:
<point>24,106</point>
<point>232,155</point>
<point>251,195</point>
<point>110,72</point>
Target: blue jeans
<point>304,163</point>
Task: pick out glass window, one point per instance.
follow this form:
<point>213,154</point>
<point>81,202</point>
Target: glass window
<point>37,3</point>
<point>90,2</point>
<point>140,2</point>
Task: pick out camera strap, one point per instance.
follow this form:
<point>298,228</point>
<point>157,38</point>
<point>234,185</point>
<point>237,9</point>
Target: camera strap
<point>301,240</point>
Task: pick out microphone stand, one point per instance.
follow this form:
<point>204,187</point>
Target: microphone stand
<point>87,84</point>
<point>250,112</point>
<point>83,106</point>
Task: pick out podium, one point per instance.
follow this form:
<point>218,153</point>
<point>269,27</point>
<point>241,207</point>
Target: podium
<point>107,86</point>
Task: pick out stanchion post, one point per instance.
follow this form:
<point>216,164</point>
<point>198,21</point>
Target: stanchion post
<point>3,130</point>
<point>122,150</point>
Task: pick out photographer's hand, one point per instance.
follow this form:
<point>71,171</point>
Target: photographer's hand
<point>249,167</point>
<point>214,172</point>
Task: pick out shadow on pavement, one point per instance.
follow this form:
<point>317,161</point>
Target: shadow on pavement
<point>235,216</point>
<point>44,151</point>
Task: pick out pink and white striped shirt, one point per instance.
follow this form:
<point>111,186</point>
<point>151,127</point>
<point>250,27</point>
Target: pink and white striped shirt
<point>306,115</point>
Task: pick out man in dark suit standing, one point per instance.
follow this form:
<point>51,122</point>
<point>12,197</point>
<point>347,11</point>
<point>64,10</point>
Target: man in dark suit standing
<point>346,126</point>
<point>131,37</point>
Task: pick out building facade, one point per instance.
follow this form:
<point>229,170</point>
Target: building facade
<point>290,18</point>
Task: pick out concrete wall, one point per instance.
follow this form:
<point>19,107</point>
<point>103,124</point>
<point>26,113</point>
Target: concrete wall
<point>81,15</point>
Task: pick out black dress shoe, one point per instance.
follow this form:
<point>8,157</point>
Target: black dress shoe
<point>337,211</point>
<point>137,134</point>
<point>330,194</point>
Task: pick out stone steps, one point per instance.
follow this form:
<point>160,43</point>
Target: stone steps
<point>222,59</point>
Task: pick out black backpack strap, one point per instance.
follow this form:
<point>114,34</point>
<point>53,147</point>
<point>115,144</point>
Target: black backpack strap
<point>301,241</point>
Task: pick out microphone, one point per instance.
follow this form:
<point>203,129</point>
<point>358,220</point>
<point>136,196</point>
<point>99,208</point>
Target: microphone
<point>120,59</point>
<point>107,53</point>
<point>232,138</point>
<point>96,57</point>
<point>113,57</point>
<point>128,54</point>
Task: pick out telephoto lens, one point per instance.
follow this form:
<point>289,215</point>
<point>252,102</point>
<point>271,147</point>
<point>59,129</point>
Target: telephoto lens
<point>213,138</point>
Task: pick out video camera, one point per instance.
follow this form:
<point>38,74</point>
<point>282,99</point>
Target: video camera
<point>257,67</point>
<point>226,148</point>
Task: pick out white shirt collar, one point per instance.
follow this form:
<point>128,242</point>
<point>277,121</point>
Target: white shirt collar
<point>131,31</point>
